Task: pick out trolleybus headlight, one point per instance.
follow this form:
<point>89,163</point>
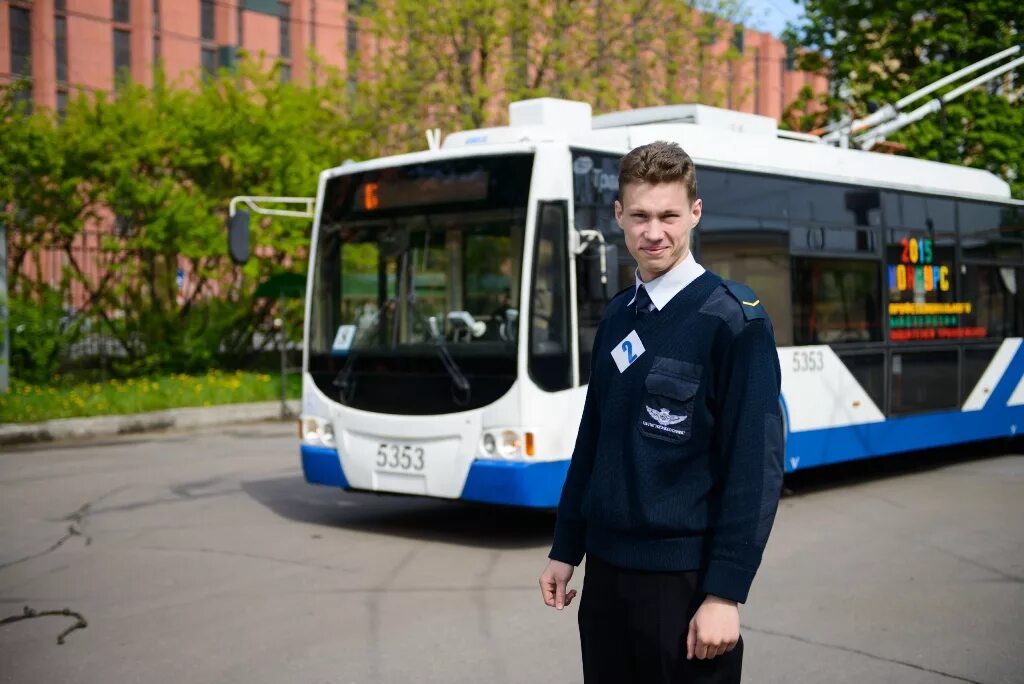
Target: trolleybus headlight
<point>327,435</point>
<point>510,443</point>
<point>489,444</point>
<point>311,431</point>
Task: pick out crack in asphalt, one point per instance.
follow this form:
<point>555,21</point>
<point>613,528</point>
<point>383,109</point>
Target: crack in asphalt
<point>78,519</point>
<point>29,614</point>
<point>1006,576</point>
<point>72,532</point>
<point>873,656</point>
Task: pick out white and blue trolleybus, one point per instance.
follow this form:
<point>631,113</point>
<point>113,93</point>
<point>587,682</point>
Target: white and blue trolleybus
<point>454,294</point>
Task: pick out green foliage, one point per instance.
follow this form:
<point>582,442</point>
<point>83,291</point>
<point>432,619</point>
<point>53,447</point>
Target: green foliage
<point>145,179</point>
<point>39,333</point>
<point>457,65</point>
<point>876,52</point>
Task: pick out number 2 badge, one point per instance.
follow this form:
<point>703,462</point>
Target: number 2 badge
<point>627,351</point>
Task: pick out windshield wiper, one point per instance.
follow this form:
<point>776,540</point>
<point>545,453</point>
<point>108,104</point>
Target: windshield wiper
<point>343,380</point>
<point>458,377</point>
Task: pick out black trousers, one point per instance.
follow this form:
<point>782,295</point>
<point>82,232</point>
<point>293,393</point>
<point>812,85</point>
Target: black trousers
<point>633,627</point>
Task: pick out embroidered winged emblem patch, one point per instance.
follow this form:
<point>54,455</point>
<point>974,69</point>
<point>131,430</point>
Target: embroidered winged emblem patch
<point>664,416</point>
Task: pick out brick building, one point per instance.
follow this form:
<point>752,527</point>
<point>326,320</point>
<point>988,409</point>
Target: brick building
<point>64,45</point>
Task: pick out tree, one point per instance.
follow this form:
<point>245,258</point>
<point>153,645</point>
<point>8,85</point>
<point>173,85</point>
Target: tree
<point>459,64</point>
<point>878,51</point>
<point>145,177</point>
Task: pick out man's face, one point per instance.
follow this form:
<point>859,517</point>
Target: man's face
<point>657,220</point>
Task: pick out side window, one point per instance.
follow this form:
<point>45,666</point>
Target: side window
<point>991,231</point>
<point>758,258</point>
<point>836,300</point>
<point>922,287</point>
<point>549,312</point>
<point>923,381</point>
<point>595,186</point>
<point>997,303</point>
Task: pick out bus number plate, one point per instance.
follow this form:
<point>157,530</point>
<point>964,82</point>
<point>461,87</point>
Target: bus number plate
<point>400,457</point>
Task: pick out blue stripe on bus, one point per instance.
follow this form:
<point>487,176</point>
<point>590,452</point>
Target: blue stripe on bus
<point>535,485</point>
<point>322,465</point>
<point>895,435</point>
<point>909,433</point>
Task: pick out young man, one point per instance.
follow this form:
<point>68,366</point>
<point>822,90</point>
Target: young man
<point>677,470</point>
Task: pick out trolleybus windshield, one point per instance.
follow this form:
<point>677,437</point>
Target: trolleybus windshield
<point>416,284</point>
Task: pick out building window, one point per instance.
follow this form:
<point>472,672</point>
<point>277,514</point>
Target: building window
<point>122,53</point>
<point>60,5</point>
<point>284,27</point>
<point>62,103</point>
<point>156,31</point>
<point>351,49</point>
<point>21,41</point>
<point>61,47</point>
<point>122,11</point>
<point>206,17</point>
<point>209,60</point>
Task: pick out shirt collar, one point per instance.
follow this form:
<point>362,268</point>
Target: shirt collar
<point>666,286</point>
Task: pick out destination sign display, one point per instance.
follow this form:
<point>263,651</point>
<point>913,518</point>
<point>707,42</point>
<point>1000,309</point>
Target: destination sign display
<point>394,191</point>
<point>921,305</point>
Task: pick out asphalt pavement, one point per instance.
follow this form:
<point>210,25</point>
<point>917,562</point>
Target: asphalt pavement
<point>203,556</point>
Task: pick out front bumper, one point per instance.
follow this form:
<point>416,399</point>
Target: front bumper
<point>510,483</point>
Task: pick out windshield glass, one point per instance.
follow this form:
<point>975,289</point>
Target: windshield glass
<point>414,263</point>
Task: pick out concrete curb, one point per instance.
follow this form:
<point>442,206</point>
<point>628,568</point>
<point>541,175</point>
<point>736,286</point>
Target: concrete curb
<point>171,419</point>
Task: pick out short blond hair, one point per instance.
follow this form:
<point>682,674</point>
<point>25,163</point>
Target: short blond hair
<point>658,162</point>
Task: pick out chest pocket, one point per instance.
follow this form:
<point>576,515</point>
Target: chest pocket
<point>670,391</point>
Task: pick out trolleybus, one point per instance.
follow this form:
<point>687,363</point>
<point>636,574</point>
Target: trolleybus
<point>453,296</point>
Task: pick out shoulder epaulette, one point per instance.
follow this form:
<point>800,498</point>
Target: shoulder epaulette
<point>749,302</point>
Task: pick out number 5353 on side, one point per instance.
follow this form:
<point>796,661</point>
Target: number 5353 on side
<point>808,361</point>
<point>402,457</point>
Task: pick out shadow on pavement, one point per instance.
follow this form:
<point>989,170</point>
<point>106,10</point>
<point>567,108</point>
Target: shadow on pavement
<point>452,522</point>
<point>857,472</point>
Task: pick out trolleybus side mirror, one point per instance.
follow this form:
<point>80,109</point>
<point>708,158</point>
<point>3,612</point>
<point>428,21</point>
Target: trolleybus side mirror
<point>238,236</point>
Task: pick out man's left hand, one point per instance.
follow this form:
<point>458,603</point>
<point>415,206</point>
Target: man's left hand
<point>714,629</point>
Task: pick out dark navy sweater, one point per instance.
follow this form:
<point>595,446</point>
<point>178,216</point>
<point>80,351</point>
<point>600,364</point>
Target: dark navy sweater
<point>678,461</point>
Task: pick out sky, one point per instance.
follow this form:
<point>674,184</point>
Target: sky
<point>772,15</point>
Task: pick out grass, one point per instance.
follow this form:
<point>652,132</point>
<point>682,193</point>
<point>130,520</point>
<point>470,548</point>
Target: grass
<point>32,403</point>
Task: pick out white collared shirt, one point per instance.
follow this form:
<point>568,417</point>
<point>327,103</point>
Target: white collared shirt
<point>666,286</point>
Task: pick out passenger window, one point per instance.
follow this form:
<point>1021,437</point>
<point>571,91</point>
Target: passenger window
<point>835,301</point>
<point>759,260</point>
<point>550,364</point>
<point>997,304</point>
<point>924,381</point>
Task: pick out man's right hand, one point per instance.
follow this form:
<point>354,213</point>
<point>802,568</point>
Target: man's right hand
<point>553,583</point>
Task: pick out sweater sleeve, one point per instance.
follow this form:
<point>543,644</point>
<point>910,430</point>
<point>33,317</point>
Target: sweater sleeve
<point>749,464</point>
<point>570,525</point>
